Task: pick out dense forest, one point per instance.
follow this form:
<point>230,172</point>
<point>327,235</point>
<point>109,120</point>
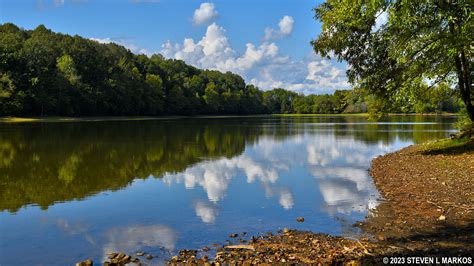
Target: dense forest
<point>43,73</point>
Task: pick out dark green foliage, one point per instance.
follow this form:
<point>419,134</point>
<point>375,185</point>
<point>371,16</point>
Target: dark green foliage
<point>322,104</point>
<point>46,73</point>
<point>279,101</point>
<point>420,40</point>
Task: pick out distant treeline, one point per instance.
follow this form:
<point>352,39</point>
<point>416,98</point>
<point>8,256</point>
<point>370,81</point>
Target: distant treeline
<point>47,73</point>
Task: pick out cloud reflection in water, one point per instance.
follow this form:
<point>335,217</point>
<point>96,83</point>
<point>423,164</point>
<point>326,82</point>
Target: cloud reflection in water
<point>337,164</point>
<point>129,238</point>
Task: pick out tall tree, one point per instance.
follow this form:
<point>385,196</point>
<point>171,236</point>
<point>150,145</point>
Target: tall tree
<point>391,43</point>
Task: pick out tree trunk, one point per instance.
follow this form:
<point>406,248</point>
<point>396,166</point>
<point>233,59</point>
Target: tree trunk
<point>463,72</point>
<point>464,83</point>
<point>467,78</point>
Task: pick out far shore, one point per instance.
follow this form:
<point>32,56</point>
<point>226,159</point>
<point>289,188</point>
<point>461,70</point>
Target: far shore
<point>14,119</point>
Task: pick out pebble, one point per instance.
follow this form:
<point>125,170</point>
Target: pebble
<point>85,263</point>
<point>286,230</point>
<point>149,257</point>
<point>240,247</point>
<point>300,219</point>
<point>233,235</point>
<point>140,253</point>
<point>442,218</point>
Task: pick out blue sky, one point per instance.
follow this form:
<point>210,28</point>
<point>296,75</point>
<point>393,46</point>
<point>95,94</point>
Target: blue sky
<point>265,41</point>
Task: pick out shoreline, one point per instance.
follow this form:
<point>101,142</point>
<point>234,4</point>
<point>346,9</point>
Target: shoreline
<point>53,119</point>
<point>427,211</point>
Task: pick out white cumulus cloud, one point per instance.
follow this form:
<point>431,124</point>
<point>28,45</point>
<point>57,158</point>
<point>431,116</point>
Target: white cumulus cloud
<point>260,64</point>
<point>326,75</point>
<point>286,25</point>
<point>205,13</point>
<point>213,51</point>
<point>285,28</point>
<point>214,41</point>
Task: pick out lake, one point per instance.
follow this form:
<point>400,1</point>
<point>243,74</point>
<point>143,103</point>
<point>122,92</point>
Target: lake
<point>76,190</point>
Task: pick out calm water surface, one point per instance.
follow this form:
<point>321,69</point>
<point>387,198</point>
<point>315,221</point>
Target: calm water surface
<point>71,191</point>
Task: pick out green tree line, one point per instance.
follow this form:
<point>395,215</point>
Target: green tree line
<point>46,73</point>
